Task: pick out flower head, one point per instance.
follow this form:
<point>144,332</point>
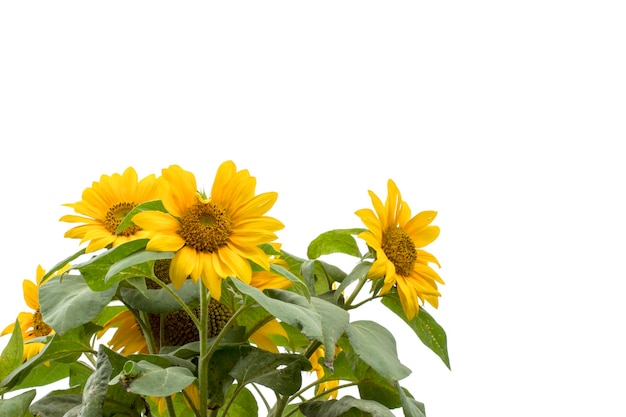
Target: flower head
<point>396,237</point>
<point>31,323</point>
<point>104,206</point>
<point>214,237</point>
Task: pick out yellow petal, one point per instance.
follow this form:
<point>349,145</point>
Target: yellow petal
<point>31,294</point>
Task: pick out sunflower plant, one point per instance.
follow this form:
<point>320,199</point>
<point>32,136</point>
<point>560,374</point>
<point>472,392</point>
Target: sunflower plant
<point>183,303</point>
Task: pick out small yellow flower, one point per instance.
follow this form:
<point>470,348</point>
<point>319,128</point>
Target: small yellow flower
<point>104,206</point>
<point>31,323</point>
<point>213,237</point>
<point>396,237</point>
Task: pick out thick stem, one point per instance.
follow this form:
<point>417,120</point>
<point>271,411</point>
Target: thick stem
<point>203,361</point>
<point>355,292</point>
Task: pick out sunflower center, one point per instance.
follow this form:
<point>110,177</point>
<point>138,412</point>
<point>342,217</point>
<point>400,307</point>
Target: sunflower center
<point>162,272</point>
<point>400,250</point>
<point>179,329</point>
<point>205,227</point>
<point>40,327</point>
<point>114,217</point>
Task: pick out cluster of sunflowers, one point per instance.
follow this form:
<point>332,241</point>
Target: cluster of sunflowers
<point>184,304</point>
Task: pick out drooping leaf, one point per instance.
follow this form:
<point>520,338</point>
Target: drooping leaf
<point>95,269</point>
<point>424,325</point>
<point>335,320</point>
<point>155,381</point>
<point>335,241</point>
<point>68,302</point>
<point>336,408</point>
<point>137,264</point>
<point>281,372</point>
<point>159,300</point>
<point>293,309</point>
<point>96,387</point>
<point>12,354</point>
<point>410,406</point>
<point>17,406</point>
<point>56,405</point>
<point>376,346</point>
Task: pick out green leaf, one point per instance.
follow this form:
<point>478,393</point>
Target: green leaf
<point>244,404</point>
<point>359,272</point>
<point>424,325</point>
<point>154,205</point>
<point>95,270</point>
<point>159,300</point>
<point>18,405</point>
<point>56,405</point>
<point>298,284</point>
<point>13,352</point>
<point>60,265</point>
<point>336,408</point>
<point>335,320</point>
<point>335,241</point>
<point>137,264</point>
<point>96,387</point>
<point>68,302</point>
<point>281,372</point>
<point>376,346</point>
<point>220,380</point>
<point>376,388</point>
<point>159,382</point>
<point>293,309</point>
<point>410,406</point>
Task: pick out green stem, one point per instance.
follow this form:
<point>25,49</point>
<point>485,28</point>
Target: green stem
<point>359,285</point>
<point>203,361</point>
<point>323,393</point>
<point>180,300</point>
<point>190,403</point>
<point>170,406</point>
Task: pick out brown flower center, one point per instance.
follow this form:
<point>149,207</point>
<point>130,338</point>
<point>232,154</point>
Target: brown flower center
<point>40,327</point>
<point>205,227</point>
<point>114,217</point>
<point>179,329</point>
<point>400,250</point>
<point>162,272</point>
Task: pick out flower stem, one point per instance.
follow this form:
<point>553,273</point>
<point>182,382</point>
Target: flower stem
<point>358,288</point>
<point>203,361</point>
<point>183,305</point>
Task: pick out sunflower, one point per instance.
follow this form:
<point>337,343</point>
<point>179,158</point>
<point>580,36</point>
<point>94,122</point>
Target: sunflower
<point>128,337</point>
<point>213,237</point>
<point>31,323</point>
<point>105,204</point>
<point>396,237</point>
<point>262,337</point>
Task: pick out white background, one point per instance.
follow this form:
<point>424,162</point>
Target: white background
<point>505,117</point>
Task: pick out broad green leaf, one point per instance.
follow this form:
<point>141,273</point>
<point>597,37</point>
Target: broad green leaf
<point>96,387</point>
<point>424,325</point>
<point>335,241</point>
<point>299,286</point>
<point>137,264</point>
<point>159,300</point>
<point>154,205</point>
<point>220,366</point>
<point>410,406</point>
<point>60,265</point>
<point>13,352</point>
<point>335,320</point>
<point>376,346</point>
<point>293,309</point>
<point>159,382</point>
<point>59,348</point>
<point>376,388</point>
<point>244,404</point>
<point>68,302</point>
<point>95,270</point>
<point>43,374</point>
<point>336,408</point>
<point>281,372</point>
<point>56,405</point>
<point>18,405</point>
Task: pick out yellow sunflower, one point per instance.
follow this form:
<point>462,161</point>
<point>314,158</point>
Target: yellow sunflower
<point>213,237</point>
<point>262,338</point>
<point>105,204</point>
<point>31,323</point>
<point>396,237</point>
<point>128,337</point>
